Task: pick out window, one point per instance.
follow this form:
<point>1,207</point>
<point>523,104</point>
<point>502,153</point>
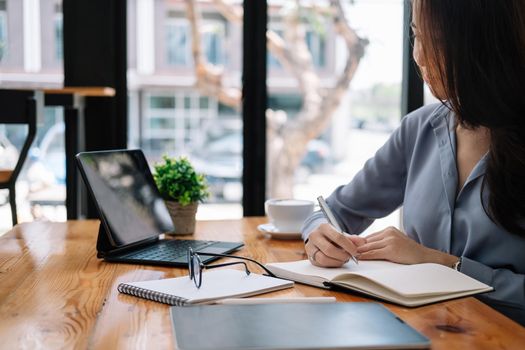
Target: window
<point>212,40</point>
<point>289,103</point>
<point>271,61</point>
<point>226,112</point>
<point>163,102</point>
<point>174,119</point>
<point>3,29</point>
<point>316,42</point>
<point>58,27</point>
<point>204,102</point>
<point>358,123</point>
<point>172,113</point>
<point>31,51</point>
<point>178,43</point>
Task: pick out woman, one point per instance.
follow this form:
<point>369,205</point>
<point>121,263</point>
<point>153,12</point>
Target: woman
<point>457,168</point>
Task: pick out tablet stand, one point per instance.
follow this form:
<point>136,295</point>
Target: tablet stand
<point>103,243</point>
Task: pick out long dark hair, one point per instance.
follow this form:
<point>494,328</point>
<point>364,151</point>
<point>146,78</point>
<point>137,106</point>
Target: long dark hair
<point>475,54</point>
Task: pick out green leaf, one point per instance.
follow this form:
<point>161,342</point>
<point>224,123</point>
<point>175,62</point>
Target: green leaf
<point>177,180</point>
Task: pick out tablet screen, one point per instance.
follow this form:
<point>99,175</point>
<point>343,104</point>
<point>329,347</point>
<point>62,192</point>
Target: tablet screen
<point>125,194</point>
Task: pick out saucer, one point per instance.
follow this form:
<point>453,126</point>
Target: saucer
<point>271,230</point>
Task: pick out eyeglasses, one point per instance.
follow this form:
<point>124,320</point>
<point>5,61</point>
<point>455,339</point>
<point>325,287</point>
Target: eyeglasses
<point>195,265</point>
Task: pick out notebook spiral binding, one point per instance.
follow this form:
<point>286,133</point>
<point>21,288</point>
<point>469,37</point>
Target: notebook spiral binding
<point>152,295</point>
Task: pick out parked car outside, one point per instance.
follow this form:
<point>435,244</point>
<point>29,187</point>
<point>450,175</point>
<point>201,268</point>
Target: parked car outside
<point>221,161</point>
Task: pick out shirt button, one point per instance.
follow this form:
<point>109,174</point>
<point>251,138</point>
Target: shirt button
<point>442,142</point>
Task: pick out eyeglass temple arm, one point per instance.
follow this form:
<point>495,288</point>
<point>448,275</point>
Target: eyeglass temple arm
<point>239,257</point>
<point>207,267</point>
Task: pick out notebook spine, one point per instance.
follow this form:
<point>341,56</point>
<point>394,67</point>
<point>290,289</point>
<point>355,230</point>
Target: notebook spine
<point>152,295</point>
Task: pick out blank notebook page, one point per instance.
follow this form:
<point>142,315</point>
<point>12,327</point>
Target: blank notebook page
<point>424,280</point>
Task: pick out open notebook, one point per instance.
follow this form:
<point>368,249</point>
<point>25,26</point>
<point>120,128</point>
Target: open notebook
<point>216,285</point>
<point>408,285</point>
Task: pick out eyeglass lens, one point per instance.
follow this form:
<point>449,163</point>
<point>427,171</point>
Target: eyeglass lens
<point>197,270</point>
<point>190,263</point>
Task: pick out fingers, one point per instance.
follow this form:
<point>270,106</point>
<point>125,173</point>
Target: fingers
<point>387,232</point>
<point>377,254</point>
<point>372,246</point>
<point>321,259</point>
<point>393,245</point>
<point>318,258</point>
<point>333,251</point>
<point>341,240</point>
<point>357,240</point>
<point>330,247</point>
<point>376,245</point>
<point>377,236</point>
<point>310,249</point>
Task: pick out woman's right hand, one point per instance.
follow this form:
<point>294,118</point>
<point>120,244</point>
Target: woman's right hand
<point>328,248</point>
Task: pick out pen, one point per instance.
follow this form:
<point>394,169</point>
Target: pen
<point>332,220</point>
<point>251,301</point>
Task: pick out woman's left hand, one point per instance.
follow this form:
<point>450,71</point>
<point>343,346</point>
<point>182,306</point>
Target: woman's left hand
<point>393,245</point>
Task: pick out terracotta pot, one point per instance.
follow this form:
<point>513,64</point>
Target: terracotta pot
<point>183,217</point>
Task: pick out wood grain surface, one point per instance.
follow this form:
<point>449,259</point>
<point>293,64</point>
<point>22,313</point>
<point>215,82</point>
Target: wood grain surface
<point>55,293</point>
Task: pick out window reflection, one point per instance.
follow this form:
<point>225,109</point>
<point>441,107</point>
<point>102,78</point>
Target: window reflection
<point>129,202</point>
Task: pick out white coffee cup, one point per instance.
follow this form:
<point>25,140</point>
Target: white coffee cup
<point>288,215</point>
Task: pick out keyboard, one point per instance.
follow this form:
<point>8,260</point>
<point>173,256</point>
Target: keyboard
<point>167,250</point>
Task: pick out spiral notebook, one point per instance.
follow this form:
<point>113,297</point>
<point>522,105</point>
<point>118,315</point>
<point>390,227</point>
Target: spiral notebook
<point>216,285</point>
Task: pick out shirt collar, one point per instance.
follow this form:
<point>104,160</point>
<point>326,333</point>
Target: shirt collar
<point>440,114</point>
<point>443,116</point>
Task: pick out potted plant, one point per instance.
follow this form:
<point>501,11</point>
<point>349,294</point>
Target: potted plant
<point>182,188</point>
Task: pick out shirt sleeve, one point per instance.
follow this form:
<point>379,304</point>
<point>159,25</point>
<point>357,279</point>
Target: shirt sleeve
<point>313,221</point>
<point>376,191</point>
<point>507,286</point>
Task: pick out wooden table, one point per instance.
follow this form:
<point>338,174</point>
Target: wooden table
<point>55,293</point>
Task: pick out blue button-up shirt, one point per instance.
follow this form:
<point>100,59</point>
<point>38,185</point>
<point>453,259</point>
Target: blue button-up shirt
<point>416,169</point>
